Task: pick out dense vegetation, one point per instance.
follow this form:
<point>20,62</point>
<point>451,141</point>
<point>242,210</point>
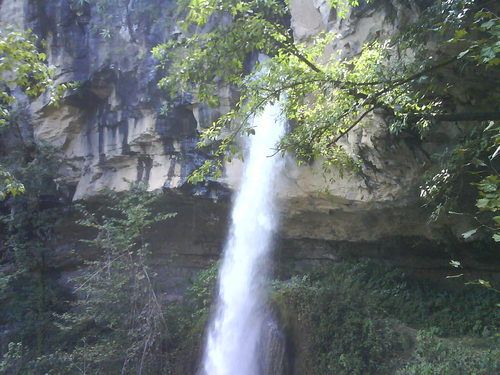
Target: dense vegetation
<point>22,67</point>
<point>29,292</point>
<point>364,318</point>
<point>349,318</point>
<point>118,323</point>
<point>24,75</point>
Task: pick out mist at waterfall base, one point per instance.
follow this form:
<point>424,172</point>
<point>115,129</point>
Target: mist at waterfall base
<point>235,331</point>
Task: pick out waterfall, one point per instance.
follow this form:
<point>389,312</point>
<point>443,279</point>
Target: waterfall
<point>234,335</point>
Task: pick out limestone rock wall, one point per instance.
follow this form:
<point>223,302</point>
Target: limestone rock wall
<point>112,130</point>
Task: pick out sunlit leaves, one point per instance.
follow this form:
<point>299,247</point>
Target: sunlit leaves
<point>326,95</point>
<point>24,68</point>
<point>343,6</point>
<point>489,201</point>
<point>21,65</point>
<point>9,185</point>
<point>469,234</point>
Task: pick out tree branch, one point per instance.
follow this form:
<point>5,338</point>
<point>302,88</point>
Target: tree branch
<point>458,117</point>
<point>352,126</point>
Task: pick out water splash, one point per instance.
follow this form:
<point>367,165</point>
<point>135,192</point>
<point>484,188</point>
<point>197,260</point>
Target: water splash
<point>235,332</point>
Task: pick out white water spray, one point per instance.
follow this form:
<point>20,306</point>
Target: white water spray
<point>233,337</point>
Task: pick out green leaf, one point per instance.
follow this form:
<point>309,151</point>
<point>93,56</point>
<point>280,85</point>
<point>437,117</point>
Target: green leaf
<point>478,163</point>
<point>469,233</point>
<point>484,283</point>
<point>482,203</point>
<point>495,153</point>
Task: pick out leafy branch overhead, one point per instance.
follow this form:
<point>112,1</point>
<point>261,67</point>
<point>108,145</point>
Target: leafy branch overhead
<point>22,66</point>
<point>327,95</point>
<point>23,72</point>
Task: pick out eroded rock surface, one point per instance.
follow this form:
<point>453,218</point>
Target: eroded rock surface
<point>112,130</point>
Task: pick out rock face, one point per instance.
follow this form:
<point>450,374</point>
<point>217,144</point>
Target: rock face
<point>112,130</point>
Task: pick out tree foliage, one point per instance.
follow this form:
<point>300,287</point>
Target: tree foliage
<point>23,67</point>
<point>31,206</point>
<point>465,181</point>
<point>24,73</point>
<point>416,79</point>
<point>119,322</point>
<point>29,292</point>
<point>326,96</point>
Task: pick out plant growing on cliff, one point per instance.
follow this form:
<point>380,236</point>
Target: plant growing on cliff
<point>22,67</point>
<point>362,318</point>
<point>24,74</point>
<point>188,321</point>
<point>29,292</point>
<point>466,181</point>
<point>435,356</point>
<point>118,323</point>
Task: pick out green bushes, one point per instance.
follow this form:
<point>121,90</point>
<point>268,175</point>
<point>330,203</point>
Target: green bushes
<point>117,324</point>
<point>347,318</point>
<point>338,333</point>
<point>434,356</point>
<point>188,321</point>
<point>361,318</point>
<point>29,292</point>
<point>118,321</point>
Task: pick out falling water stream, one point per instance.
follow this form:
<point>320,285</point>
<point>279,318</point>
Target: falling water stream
<point>234,335</point>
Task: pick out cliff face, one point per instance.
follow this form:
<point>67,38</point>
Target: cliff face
<point>112,132</point>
